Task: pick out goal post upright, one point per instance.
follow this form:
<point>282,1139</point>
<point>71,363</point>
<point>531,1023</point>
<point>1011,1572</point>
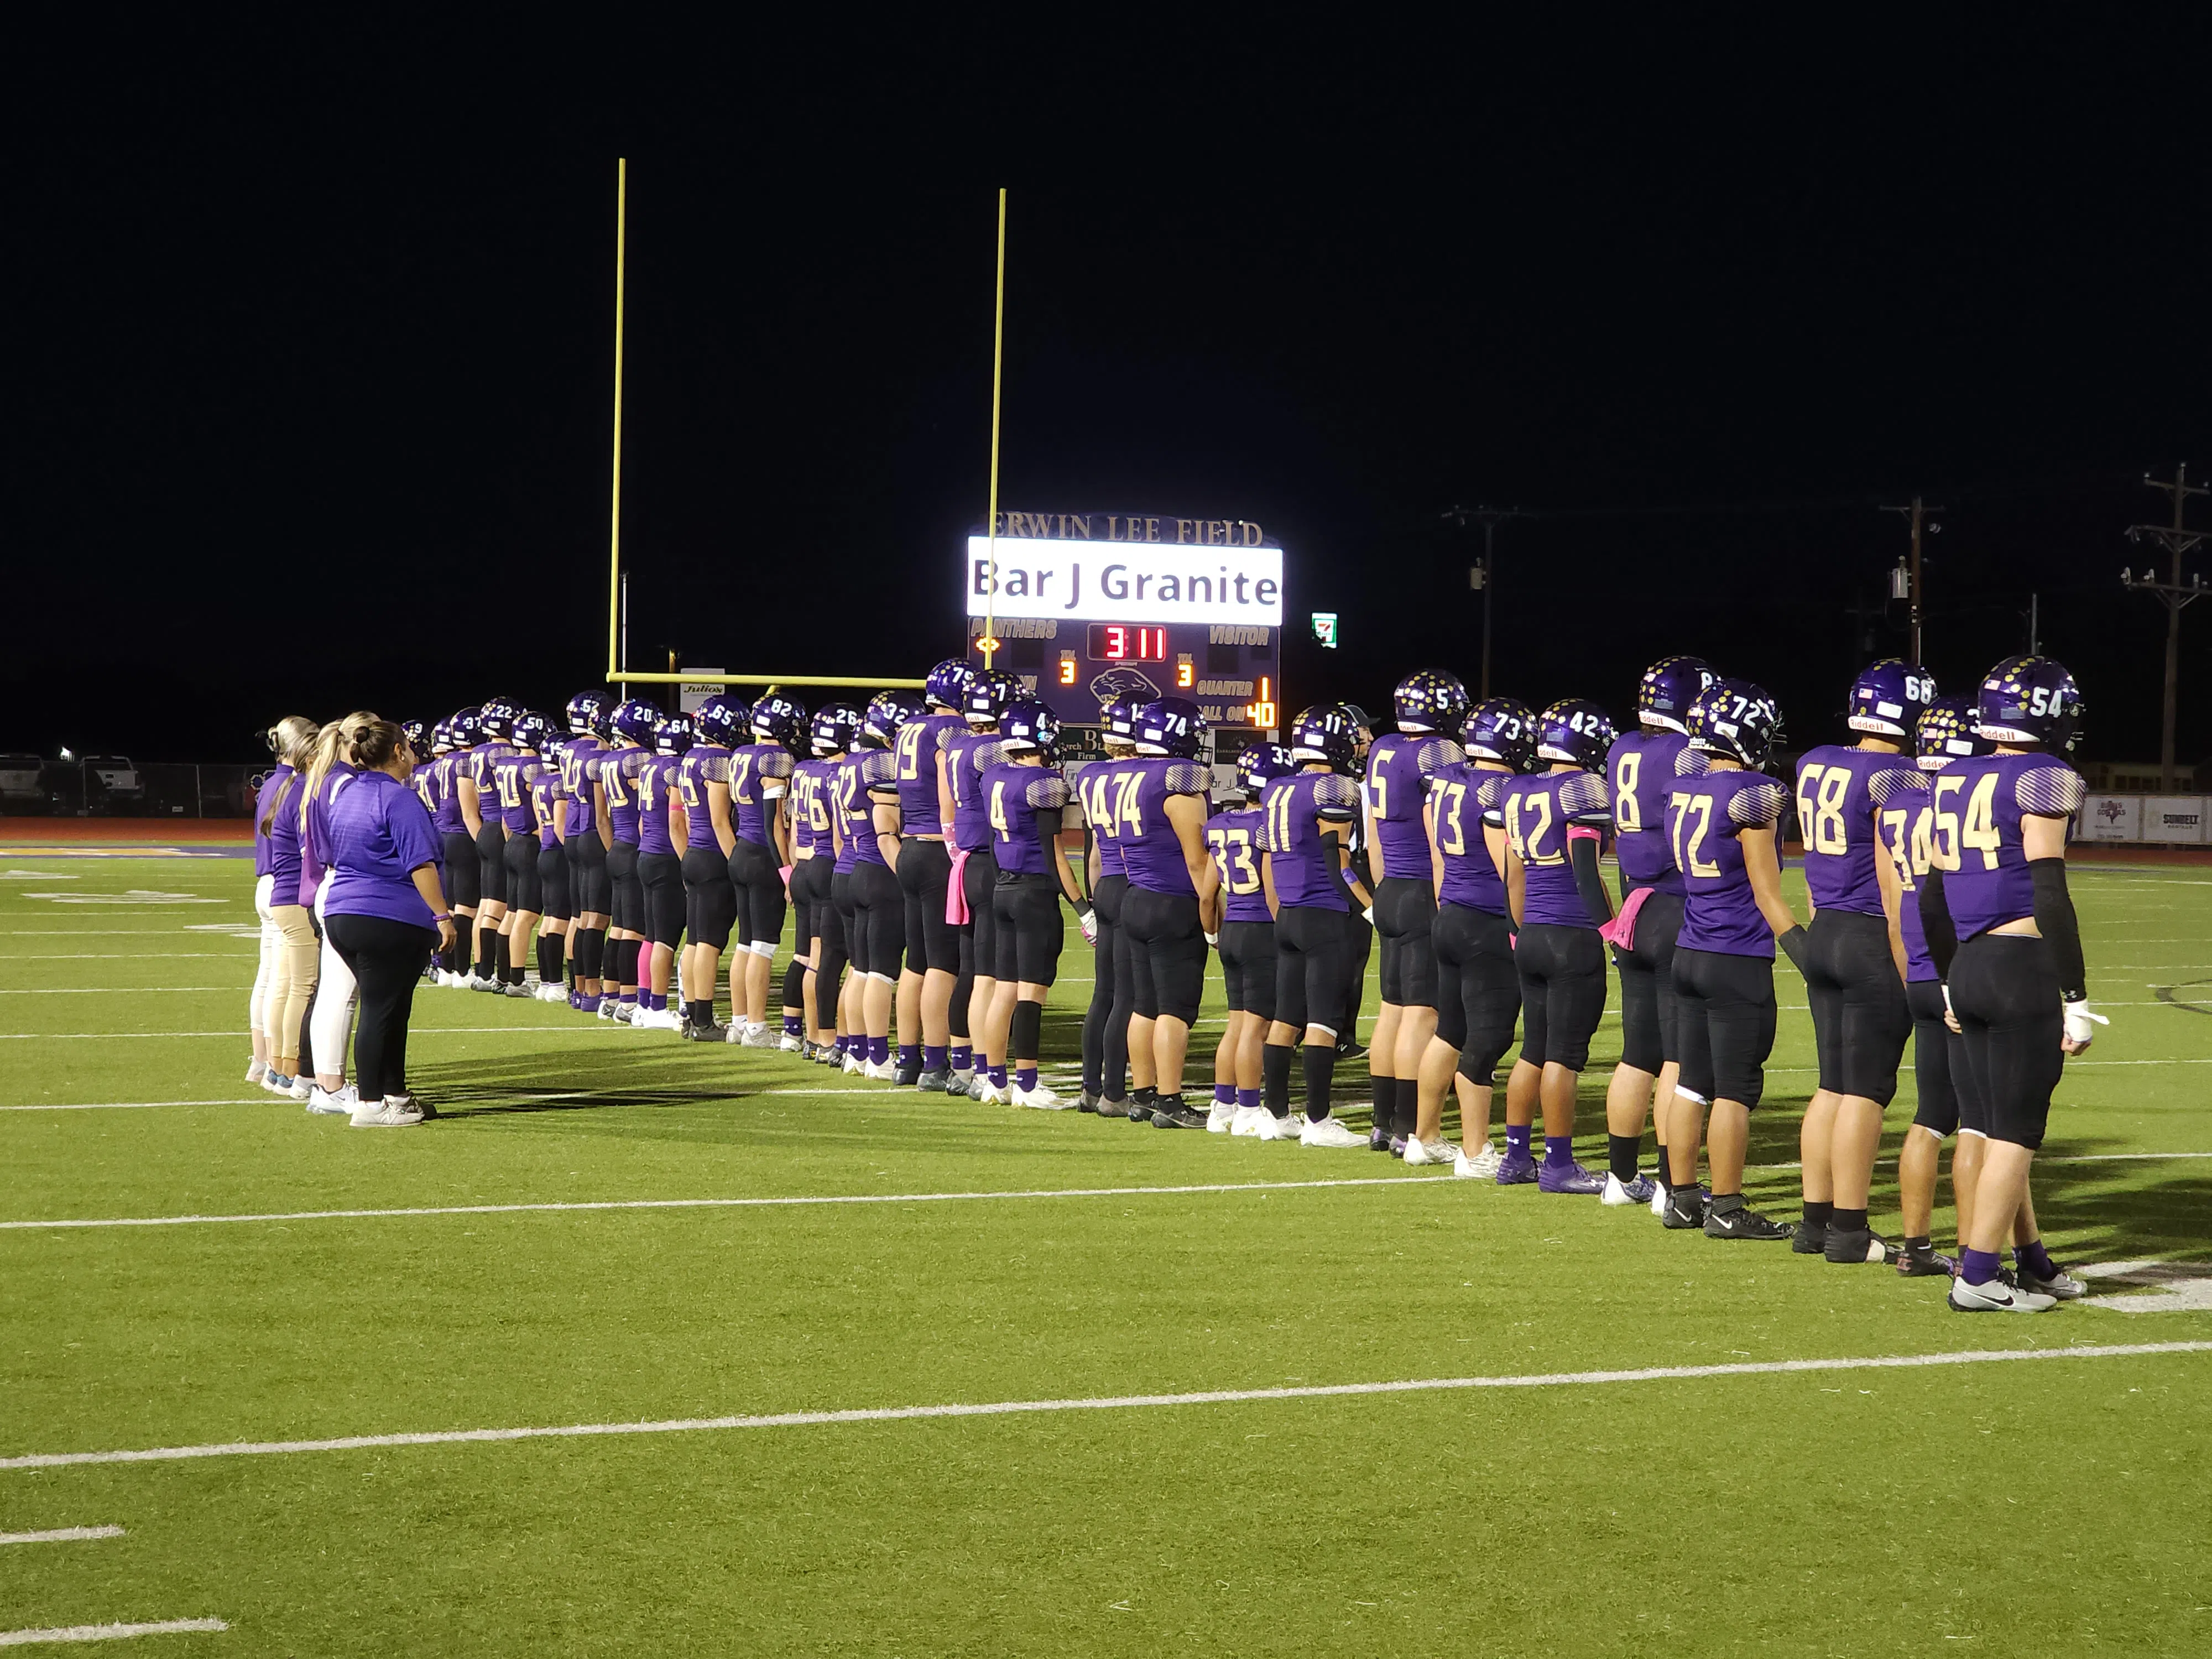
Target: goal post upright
<point>614,520</point>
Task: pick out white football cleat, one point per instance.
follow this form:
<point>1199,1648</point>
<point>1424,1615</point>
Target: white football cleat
<point>553,994</point>
<point>1998,1297</point>
<point>323,1104</point>
<point>885,1072</point>
<point>1222,1119</point>
<point>789,1042</point>
<point>257,1071</point>
<point>854,1064</point>
<point>1329,1133</point>
<point>1286,1127</point>
<point>392,1112</point>
<point>1659,1194</point>
<point>961,1083</point>
<point>1249,1121</point>
<point>301,1088</point>
<point>760,1036</point>
<point>1479,1166</point>
<point>1419,1152</point>
<point>660,1019</point>
<point>1041,1098</point>
<point>989,1093</point>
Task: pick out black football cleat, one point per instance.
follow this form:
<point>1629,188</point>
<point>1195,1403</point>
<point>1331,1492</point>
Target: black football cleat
<point>1742,1221</point>
<point>1685,1212</point>
<point>1086,1101</point>
<point>1809,1238</point>
<point>1174,1112</point>
<point>1924,1261</point>
<point>1858,1246</point>
<point>1112,1107</point>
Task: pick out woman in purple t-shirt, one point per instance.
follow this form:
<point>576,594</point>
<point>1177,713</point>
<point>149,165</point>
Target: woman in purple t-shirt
<point>383,910</point>
<point>286,977</point>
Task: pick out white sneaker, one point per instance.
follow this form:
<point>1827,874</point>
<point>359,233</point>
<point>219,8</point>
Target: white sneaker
<point>660,1019</point>
<point>885,1072</point>
<point>1659,1194</point>
<point>1480,1166</point>
<point>553,994</point>
<point>1998,1297</point>
<point>1249,1121</point>
<point>1419,1152</point>
<point>789,1042</point>
<point>1287,1127</point>
<point>300,1089</point>
<point>622,1012</point>
<point>607,1006</point>
<point>988,1092</point>
<point>763,1036</point>
<point>1041,1098</point>
<point>392,1112</point>
<point>1222,1119</point>
<point>275,1084</point>
<point>257,1071</point>
<point>323,1104</point>
<point>1329,1133</point>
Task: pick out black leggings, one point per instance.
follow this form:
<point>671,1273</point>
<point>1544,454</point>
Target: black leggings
<point>1309,980</point>
<point>1647,985</point>
<point>710,904</point>
<point>2004,989</point>
<point>833,919</point>
<point>1562,973</point>
<point>386,959</point>
<point>1860,1020</point>
<point>1167,953</point>
<point>878,920</point>
<point>1248,967</point>
<point>1478,995</point>
<point>758,883</point>
<point>1027,927</point>
<point>1105,1043</point>
<point>1405,916</point>
<point>925,872</point>
<point>1937,1059</point>
<point>1358,945</point>
<point>1725,1026</point>
<point>661,876</point>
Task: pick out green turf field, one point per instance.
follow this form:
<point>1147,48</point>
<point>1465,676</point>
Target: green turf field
<point>2021,1506</point>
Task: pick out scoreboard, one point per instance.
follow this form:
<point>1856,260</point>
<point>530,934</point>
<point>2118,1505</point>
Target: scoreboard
<point>1087,607</point>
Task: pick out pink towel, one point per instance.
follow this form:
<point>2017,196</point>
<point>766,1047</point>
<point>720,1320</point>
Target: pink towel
<point>1621,930</point>
<point>786,874</point>
<point>956,891</point>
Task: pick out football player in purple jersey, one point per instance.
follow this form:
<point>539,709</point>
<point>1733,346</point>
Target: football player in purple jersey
<point>1854,959</point>
<point>710,902</point>
<point>1360,913</point>
<point>867,893</point>
<point>1025,798</point>
<point>1642,766</point>
<point>925,875</point>
<point>2002,929</point>
<point>1106,1069</point>
<point>836,729</point>
<point>549,803</point>
<point>1477,991</point>
<point>662,827</point>
<point>513,775</point>
<point>1723,824</point>
<point>1429,706</point>
<point>760,855</point>
<point>1945,732</point>
<point>1307,819</point>
<point>967,755</point>
<point>587,846</point>
<point>1161,820</point>
<point>459,733</point>
<point>1243,933</point>
<point>487,828</point>
<point>628,734</point>
<point>1553,822</point>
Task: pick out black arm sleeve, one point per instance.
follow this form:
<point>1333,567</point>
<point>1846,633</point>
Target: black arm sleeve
<point>1582,853</point>
<point>1793,944</point>
<point>2055,920</point>
<point>1048,829</point>
<point>1935,922</point>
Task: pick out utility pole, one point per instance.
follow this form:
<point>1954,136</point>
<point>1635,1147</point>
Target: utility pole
<point>1483,577</point>
<point>1916,512</point>
<point>2172,594</point>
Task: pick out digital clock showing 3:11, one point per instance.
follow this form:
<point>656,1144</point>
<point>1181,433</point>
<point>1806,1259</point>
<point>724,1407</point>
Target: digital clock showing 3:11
<point>1126,642</point>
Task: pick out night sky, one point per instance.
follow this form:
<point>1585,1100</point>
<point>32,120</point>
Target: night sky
<point>301,426</point>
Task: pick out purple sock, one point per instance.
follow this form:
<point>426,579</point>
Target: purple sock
<point>791,1025</point>
<point>2032,1257</point>
<point>1248,1096</point>
<point>879,1050</point>
<point>909,1056</point>
<point>1225,1094</point>
<point>962,1058</point>
<point>998,1076</point>
<point>837,1046</point>
<point>933,1060</point>
<point>1516,1139</point>
<point>1558,1150</point>
<point>1025,1078</point>
<point>1978,1266</point>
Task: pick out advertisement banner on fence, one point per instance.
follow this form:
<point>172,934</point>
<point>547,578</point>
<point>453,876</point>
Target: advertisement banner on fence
<point>2179,819</point>
<point>2111,817</point>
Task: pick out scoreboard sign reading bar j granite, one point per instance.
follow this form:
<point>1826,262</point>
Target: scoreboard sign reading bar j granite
<point>1127,567</point>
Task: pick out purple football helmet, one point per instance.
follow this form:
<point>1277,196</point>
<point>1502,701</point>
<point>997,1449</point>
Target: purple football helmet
<point>778,718</point>
<point>2032,701</point>
<point>948,682</point>
<point>1501,729</point>
<point>1171,726</point>
<point>1261,764</point>
<point>1945,733</point>
<point>1575,730</point>
<point>585,711</point>
<point>1736,719</point>
<point>1667,689</point>
<point>1325,733</point>
<point>988,695</point>
<point>1030,726</point>
<point>532,730</point>
<point>887,712</point>
<point>1889,698</point>
<point>674,735</point>
<point>836,729</point>
<point>499,715</point>
<point>1429,699</point>
<point>723,721</point>
<point>634,721</point>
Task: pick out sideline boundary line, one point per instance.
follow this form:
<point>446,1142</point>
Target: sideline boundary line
<point>60,1536</point>
<point>23,1639</point>
<point>1106,1403</point>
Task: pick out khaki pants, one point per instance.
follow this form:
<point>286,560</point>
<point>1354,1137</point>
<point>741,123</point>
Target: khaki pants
<point>291,982</point>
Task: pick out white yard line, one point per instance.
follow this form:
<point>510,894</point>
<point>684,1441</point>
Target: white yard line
<point>124,1105</point>
<point>60,1536</point>
<point>413,1031</point>
<point>1105,1402</point>
<point>23,1638</point>
<point>142,990</point>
